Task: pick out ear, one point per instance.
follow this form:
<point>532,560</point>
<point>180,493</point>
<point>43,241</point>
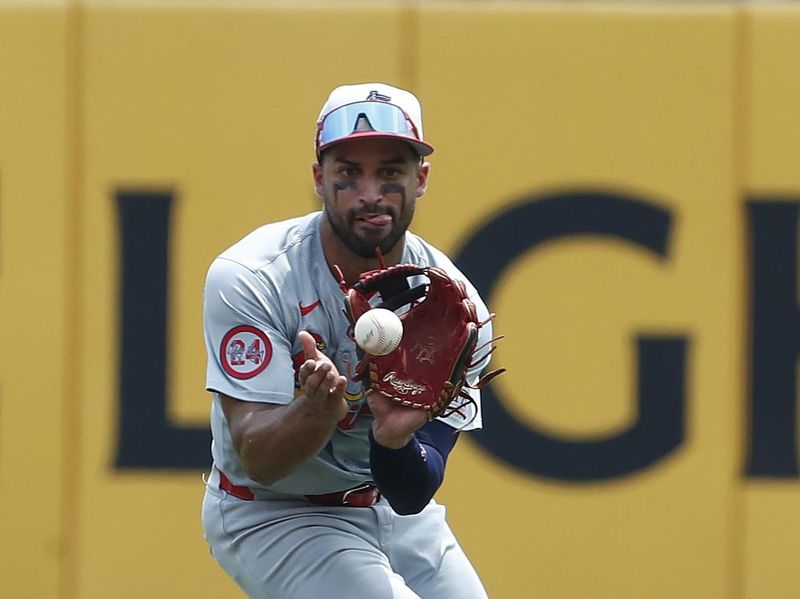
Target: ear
<point>422,178</point>
<point>316,169</point>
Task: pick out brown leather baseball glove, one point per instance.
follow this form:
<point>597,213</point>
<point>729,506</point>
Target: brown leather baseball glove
<point>427,370</point>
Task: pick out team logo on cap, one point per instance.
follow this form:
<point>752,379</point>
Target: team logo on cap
<point>374,95</point>
<point>245,351</point>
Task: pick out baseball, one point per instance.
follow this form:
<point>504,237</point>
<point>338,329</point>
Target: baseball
<point>378,331</point>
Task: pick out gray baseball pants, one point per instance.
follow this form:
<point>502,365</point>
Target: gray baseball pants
<point>291,549</point>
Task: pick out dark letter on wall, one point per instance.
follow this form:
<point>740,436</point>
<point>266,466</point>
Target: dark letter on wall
<point>774,338</point>
<point>146,438</point>
<point>660,425</point>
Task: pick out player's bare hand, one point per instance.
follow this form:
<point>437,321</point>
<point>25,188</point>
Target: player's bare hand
<point>320,381</point>
<point>394,424</point>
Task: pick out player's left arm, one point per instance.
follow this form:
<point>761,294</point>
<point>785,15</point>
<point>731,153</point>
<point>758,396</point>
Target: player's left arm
<point>410,476</point>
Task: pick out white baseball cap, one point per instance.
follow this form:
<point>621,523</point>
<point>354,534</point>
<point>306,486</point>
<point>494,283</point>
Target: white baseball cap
<point>371,110</point>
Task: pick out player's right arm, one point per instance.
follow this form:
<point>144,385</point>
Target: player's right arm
<point>273,440</point>
<point>250,338</point>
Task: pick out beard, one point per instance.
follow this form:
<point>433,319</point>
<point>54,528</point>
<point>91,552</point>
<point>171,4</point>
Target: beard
<point>364,245</point>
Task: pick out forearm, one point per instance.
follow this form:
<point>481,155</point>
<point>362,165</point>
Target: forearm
<point>410,476</point>
<point>273,442</point>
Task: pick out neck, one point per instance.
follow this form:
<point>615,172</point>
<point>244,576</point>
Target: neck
<point>350,263</point>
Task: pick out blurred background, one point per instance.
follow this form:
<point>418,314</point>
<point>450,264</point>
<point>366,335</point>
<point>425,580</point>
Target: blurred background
<point>619,179</point>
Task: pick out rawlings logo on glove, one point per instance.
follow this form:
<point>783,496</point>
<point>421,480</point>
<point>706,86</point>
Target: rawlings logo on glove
<point>428,369</point>
<point>404,387</point>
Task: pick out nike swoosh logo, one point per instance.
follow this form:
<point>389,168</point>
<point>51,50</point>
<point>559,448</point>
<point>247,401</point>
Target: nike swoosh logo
<point>306,310</point>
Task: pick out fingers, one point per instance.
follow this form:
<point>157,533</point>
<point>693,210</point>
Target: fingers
<point>305,371</point>
<point>318,377</point>
<point>339,385</point>
<point>320,380</point>
<point>309,345</point>
<point>311,351</point>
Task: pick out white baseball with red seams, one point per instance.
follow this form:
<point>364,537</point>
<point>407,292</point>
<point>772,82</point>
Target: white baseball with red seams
<point>378,331</point>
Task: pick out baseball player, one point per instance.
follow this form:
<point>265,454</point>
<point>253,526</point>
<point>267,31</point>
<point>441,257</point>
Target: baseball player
<point>319,490</point>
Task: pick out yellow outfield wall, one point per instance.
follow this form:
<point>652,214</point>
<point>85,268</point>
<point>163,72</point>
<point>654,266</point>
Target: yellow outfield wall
<point>619,180</point>
<point>37,407</point>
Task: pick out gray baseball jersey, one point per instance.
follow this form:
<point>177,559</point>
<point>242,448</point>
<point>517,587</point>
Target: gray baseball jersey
<point>259,294</point>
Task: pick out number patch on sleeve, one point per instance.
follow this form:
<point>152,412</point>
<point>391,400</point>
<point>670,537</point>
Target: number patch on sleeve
<point>245,351</point>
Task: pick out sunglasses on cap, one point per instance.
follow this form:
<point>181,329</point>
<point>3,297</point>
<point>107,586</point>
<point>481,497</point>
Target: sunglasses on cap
<point>383,119</point>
